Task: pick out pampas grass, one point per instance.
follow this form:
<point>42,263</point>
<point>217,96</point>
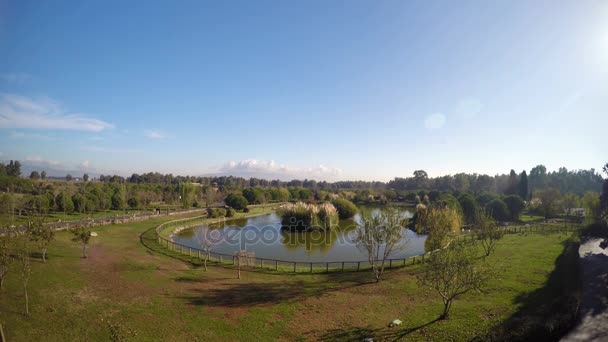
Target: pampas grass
<point>301,216</point>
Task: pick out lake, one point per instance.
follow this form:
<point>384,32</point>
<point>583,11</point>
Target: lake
<point>263,235</point>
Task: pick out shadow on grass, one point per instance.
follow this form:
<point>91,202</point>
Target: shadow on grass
<point>545,314</point>
<point>381,334</point>
<point>252,293</point>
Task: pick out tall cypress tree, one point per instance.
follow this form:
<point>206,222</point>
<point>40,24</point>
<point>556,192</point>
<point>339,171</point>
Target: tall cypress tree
<point>523,185</point>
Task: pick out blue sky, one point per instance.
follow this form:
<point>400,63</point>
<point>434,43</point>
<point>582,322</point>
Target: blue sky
<point>312,89</point>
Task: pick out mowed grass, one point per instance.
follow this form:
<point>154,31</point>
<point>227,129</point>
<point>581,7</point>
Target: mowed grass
<point>163,298</point>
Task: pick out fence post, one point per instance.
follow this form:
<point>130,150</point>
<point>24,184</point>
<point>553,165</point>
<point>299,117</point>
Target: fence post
<point>198,252</point>
<point>404,259</point>
<point>414,260</point>
<point>342,266</point>
<point>358,265</point>
<point>311,267</point>
<point>276,265</point>
<point>220,258</point>
<point>189,252</point>
<point>294,267</point>
<point>261,263</point>
<point>326,267</point>
<point>390,263</point>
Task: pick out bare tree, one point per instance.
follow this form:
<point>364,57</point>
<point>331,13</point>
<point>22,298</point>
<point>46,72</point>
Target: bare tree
<point>23,258</point>
<point>82,236</point>
<point>452,272</point>
<point>379,235</point>
<point>206,243</point>
<point>487,231</point>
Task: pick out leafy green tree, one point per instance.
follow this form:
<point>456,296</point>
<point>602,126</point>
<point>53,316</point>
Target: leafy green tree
<point>512,185</point>
<point>551,202</point>
<point>498,209</point>
<point>254,195</point>
<point>236,201</point>
<point>34,175</point>
<point>80,203</point>
<point>522,187</point>
<point>591,203</point>
<point>469,208</point>
<point>40,232</point>
<point>7,254</point>
<point>13,169</point>
<point>515,205</point>
<point>452,272</point>
<point>439,222</point>
<point>68,177</point>
<point>43,175</point>
<point>82,236</point>
<point>85,177</point>
<point>380,235</point>
<point>64,203</point>
<point>346,209</point>
<point>118,200</point>
<point>25,268</point>
<point>133,202</point>
<point>487,232</point>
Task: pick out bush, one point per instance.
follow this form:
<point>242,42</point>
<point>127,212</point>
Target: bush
<point>236,201</point>
<point>301,216</point>
<point>498,209</point>
<point>346,209</point>
<point>230,212</point>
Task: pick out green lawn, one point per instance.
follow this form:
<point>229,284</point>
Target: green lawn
<point>163,298</point>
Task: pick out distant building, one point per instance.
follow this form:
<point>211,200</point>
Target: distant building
<point>580,212</point>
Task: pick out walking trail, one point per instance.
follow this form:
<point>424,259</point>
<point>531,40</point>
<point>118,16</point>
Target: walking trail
<point>593,325</point>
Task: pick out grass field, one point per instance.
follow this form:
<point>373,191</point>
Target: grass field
<point>162,298</point>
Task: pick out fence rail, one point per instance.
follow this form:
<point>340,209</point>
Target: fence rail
<point>269,264</point>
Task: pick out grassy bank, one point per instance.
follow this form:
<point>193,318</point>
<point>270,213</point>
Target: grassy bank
<point>162,298</point>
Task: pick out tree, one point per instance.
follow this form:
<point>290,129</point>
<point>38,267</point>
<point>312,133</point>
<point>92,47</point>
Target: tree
<point>522,187</point>
<point>80,203</point>
<point>487,231</point>
<point>40,232</point>
<point>23,258</point>
<point>7,253</point>
<point>515,206</point>
<point>118,200</point>
<point>133,202</point>
<point>438,222</point>
<point>452,272</point>
<point>43,175</point>
<point>68,177</point>
<point>512,185</point>
<point>206,242</point>
<point>85,177</point>
<point>469,208</point>
<point>13,169</point>
<point>379,235</point>
<point>591,203</point>
<point>550,201</point>
<point>346,209</point>
<point>254,195</point>
<point>498,209</point>
<point>34,175</point>
<point>236,201</point>
<point>64,203</point>
<point>604,196</point>
<point>82,236</point>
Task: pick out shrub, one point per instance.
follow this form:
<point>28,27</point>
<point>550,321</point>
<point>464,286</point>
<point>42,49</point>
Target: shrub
<point>498,209</point>
<point>236,201</point>
<point>230,212</point>
<point>346,209</point>
<point>301,216</point>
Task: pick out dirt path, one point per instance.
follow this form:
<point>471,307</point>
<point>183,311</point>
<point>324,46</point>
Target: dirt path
<point>593,325</point>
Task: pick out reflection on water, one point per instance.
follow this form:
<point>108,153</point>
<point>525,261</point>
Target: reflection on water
<point>263,235</point>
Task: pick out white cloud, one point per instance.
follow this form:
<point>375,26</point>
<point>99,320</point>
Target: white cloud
<point>38,161</point>
<point>108,150</point>
<point>43,113</point>
<point>85,165</point>
<point>16,77</point>
<point>22,135</point>
<point>469,108</point>
<point>435,121</point>
<point>270,169</point>
<point>1,154</point>
<point>153,134</point>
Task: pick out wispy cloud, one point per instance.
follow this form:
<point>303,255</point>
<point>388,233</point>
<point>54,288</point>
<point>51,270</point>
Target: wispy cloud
<point>435,121</point>
<point>271,170</point>
<point>108,150</point>
<point>153,134</point>
<point>43,113</point>
<point>18,78</point>
<point>23,135</point>
<point>95,138</point>
<point>38,161</point>
<point>85,165</point>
